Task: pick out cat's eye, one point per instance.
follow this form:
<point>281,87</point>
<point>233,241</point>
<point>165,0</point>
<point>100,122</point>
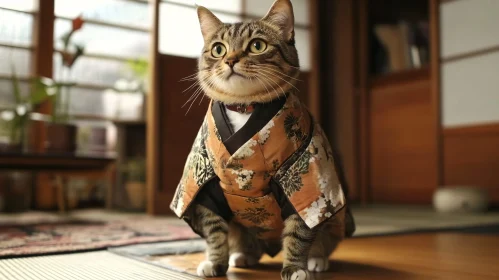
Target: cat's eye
<point>218,50</point>
<point>257,46</point>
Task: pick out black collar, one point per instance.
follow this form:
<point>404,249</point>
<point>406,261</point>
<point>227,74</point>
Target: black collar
<point>262,114</point>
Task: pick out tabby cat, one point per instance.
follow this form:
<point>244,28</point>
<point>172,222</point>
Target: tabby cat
<point>294,202</point>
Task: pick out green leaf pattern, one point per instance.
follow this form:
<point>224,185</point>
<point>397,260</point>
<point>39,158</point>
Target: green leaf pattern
<point>292,180</point>
<point>199,162</point>
<point>292,128</point>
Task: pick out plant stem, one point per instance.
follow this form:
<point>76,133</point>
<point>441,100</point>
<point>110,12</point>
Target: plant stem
<point>68,95</point>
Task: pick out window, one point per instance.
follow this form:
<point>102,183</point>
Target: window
<point>114,32</point>
<point>128,13</point>
<point>185,39</point>
<point>16,45</point>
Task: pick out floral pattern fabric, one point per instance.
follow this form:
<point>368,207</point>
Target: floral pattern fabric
<point>290,149</point>
<point>198,170</point>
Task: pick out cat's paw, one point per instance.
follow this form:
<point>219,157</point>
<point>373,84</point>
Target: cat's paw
<point>318,264</point>
<point>242,260</point>
<point>295,273</point>
<point>209,269</point>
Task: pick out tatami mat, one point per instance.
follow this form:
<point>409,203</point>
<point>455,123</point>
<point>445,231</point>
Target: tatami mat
<point>93,266</point>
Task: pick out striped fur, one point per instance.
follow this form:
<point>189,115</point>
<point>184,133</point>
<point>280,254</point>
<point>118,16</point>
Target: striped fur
<point>259,78</point>
<point>216,231</point>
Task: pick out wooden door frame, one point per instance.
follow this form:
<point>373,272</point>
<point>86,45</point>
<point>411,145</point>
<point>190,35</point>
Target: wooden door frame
<point>435,84</point>
<point>363,139</point>
<point>42,62</point>
<point>152,117</point>
<point>364,101</point>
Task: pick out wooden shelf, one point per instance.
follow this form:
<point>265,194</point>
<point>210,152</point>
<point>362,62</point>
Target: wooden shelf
<point>400,77</point>
<point>103,118</point>
<point>132,122</point>
<point>47,161</point>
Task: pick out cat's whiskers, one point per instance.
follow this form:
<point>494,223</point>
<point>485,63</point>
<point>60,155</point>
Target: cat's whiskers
<point>279,77</point>
<point>198,83</point>
<point>192,76</point>
<point>197,93</point>
<point>268,92</point>
<point>268,67</point>
<point>198,80</point>
<point>191,86</point>
<point>266,89</point>
<point>274,89</point>
<point>271,80</point>
<point>188,79</point>
<point>210,84</point>
<point>207,82</point>
<point>251,70</point>
<point>192,96</point>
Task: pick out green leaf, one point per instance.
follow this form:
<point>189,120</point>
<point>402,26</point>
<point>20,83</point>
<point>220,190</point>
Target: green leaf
<point>80,50</point>
<point>54,99</point>
<point>139,66</point>
<point>66,38</point>
<point>39,92</point>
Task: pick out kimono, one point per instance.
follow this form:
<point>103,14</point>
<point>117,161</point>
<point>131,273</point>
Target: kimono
<point>279,163</point>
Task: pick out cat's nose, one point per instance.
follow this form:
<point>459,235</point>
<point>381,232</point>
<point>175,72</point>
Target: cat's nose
<point>231,61</point>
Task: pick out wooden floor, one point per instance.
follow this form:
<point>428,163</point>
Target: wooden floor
<point>420,256</point>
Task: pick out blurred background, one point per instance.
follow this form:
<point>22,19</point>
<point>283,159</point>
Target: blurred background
<point>91,99</point>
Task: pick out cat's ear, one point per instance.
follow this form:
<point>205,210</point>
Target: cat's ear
<point>208,21</point>
<point>281,15</point>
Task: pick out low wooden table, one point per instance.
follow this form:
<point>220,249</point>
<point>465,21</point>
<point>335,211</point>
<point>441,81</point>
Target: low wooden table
<point>64,166</point>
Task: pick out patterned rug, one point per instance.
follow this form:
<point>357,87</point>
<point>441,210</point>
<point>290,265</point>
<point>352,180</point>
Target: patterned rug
<point>22,240</point>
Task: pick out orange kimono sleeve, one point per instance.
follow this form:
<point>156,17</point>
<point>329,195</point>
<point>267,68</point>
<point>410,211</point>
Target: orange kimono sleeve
<point>197,172</point>
<point>310,181</point>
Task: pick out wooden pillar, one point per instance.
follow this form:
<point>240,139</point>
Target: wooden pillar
<point>43,40</point>
<point>314,98</point>
<point>152,118</point>
<point>435,85</point>
<point>363,102</point>
<point>42,65</point>
<point>340,85</point>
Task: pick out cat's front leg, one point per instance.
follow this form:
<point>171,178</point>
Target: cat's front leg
<point>297,241</point>
<point>215,230</point>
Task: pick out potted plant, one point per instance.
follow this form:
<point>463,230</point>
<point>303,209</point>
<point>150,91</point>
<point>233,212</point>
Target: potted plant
<point>130,91</point>
<point>136,182</point>
<point>15,121</point>
<point>61,134</point>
